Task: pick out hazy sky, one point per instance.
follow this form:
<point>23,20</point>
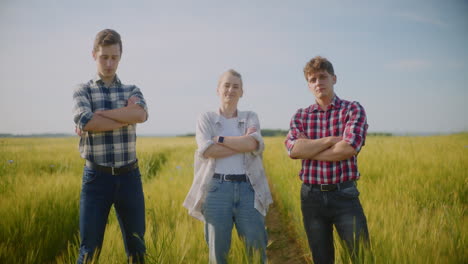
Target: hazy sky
<point>405,61</point>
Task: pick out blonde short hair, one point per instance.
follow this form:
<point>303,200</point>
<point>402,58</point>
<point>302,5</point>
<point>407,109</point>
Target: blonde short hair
<point>231,72</point>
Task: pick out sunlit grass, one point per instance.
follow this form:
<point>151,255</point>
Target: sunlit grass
<point>40,182</point>
<point>413,190</point>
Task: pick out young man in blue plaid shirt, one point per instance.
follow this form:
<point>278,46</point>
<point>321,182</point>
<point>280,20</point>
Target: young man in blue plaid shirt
<point>106,113</point>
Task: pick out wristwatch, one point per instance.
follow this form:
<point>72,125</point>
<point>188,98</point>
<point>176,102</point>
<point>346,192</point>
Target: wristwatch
<point>220,139</point>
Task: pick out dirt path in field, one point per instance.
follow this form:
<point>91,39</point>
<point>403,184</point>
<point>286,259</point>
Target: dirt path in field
<point>283,247</point>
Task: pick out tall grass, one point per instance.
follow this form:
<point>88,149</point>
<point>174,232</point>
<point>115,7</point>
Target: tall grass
<point>413,190</point>
<point>39,199</point>
<point>40,181</point>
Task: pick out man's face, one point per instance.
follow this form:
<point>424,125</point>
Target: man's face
<point>107,60</point>
<point>230,89</point>
<point>321,84</point>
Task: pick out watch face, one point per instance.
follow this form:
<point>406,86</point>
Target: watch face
<point>220,139</point>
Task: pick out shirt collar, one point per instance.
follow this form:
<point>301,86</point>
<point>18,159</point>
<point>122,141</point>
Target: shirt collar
<point>98,80</point>
<point>336,103</point>
<point>241,116</point>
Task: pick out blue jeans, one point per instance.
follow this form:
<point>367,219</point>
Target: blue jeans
<point>341,208</point>
<point>99,191</point>
<point>226,204</point>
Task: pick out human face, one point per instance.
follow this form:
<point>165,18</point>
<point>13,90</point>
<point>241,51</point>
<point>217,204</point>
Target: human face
<point>107,60</point>
<point>230,89</point>
<point>321,85</point>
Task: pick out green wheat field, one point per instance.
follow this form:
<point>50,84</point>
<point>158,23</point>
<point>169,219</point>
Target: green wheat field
<point>413,190</point>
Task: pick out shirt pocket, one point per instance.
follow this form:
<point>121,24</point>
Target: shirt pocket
<point>120,102</point>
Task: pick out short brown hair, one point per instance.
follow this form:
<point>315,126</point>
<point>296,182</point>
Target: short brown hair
<point>317,64</point>
<point>107,37</point>
<point>231,72</point>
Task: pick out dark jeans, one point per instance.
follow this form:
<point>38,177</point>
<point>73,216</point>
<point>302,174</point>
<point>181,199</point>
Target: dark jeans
<point>99,191</point>
<point>321,210</point>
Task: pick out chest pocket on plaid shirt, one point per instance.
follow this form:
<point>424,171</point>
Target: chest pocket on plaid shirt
<point>118,101</point>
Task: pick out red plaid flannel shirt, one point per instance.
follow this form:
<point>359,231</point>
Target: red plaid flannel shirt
<point>342,118</point>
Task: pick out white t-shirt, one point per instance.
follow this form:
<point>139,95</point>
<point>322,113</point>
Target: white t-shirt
<point>233,164</point>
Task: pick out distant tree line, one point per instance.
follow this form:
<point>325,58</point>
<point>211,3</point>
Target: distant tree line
<point>380,134</point>
<point>265,133</point>
<point>50,135</point>
<point>283,133</point>
<point>274,132</point>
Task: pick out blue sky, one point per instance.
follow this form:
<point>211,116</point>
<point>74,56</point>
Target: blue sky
<point>405,61</point>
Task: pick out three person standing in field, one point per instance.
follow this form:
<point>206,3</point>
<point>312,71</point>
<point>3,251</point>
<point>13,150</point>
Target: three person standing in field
<point>229,187</point>
<point>106,112</point>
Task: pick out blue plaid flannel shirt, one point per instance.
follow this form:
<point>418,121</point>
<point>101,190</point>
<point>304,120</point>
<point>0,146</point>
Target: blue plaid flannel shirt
<point>114,148</point>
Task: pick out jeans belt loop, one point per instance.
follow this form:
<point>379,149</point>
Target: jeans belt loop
<point>113,170</point>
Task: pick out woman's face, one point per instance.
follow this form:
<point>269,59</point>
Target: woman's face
<point>230,89</point>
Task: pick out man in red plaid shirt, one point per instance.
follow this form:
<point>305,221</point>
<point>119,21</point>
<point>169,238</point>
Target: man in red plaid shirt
<point>327,136</point>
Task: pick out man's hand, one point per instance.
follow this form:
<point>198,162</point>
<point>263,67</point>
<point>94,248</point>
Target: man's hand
<point>133,100</point>
<point>306,148</point>
<point>335,140</point>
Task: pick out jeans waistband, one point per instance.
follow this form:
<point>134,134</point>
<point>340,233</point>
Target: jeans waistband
<point>112,170</point>
<point>332,187</point>
<point>231,177</point>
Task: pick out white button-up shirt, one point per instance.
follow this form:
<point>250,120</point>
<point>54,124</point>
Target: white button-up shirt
<point>209,125</point>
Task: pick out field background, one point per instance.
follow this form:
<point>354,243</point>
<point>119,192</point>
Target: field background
<point>413,190</point>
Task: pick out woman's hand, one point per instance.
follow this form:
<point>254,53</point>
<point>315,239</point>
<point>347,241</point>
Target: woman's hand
<point>251,130</point>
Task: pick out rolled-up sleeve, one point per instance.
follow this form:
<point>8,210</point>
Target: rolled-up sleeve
<point>356,128</point>
<point>253,121</point>
<point>142,102</point>
<point>295,129</point>
<point>82,109</point>
<point>203,134</point>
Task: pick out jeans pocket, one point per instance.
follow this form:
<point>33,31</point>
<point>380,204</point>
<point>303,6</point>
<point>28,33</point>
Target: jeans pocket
<point>136,173</point>
<point>304,192</point>
<point>348,193</point>
<point>213,186</point>
<point>89,175</point>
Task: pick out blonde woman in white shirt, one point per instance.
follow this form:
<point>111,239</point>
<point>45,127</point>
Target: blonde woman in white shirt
<point>230,187</point>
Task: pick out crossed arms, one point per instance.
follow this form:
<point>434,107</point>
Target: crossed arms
<point>208,127</point>
<point>331,148</point>
<point>232,145</point>
<point>116,118</point>
<point>323,149</point>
